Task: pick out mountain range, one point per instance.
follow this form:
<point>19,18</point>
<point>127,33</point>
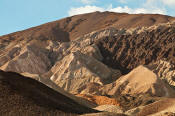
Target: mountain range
<point>95,64</point>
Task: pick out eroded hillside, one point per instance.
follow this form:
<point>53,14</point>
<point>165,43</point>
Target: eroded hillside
<point>114,61</point>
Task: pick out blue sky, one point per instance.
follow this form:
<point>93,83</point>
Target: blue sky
<point>18,15</point>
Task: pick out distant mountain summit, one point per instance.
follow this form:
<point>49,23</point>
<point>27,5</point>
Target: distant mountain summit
<point>70,28</point>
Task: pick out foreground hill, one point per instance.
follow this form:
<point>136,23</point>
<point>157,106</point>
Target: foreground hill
<point>22,95</point>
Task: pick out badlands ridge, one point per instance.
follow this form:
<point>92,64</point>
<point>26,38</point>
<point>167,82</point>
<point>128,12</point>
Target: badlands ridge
<point>96,64</point>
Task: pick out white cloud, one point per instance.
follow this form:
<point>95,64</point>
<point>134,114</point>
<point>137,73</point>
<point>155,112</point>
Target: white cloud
<point>137,10</point>
<point>123,1</point>
<point>169,2</point>
<point>160,3</point>
<point>88,1</point>
<point>85,9</point>
<point>126,9</point>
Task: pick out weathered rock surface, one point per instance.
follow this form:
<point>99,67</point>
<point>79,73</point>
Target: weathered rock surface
<point>34,60</point>
<point>76,70</point>
<point>162,107</point>
<point>128,102</point>
<point>141,46</point>
<point>134,111</point>
<point>84,56</point>
<point>165,70</point>
<point>92,88</point>
<point>74,29</point>
<point>159,108</point>
<point>141,80</point>
<point>109,108</point>
<point>104,114</point>
<point>52,85</point>
<point>100,100</point>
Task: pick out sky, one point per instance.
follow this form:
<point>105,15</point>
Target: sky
<point>16,15</point>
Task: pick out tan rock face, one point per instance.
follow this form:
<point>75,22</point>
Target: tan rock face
<point>109,108</point>
<point>93,51</point>
<point>77,70</point>
<point>159,108</point>
<point>165,70</point>
<point>32,58</point>
<point>38,57</point>
<point>104,114</point>
<point>91,88</point>
<point>52,85</point>
<point>139,81</point>
<point>31,62</point>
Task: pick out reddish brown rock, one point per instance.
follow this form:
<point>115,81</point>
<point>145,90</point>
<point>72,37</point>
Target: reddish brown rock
<point>100,100</point>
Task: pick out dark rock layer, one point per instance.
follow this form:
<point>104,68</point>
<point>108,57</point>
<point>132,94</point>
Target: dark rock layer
<point>127,51</point>
<point>20,94</point>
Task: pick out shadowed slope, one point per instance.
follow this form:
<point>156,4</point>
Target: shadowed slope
<point>24,95</point>
<point>158,108</point>
<point>127,50</point>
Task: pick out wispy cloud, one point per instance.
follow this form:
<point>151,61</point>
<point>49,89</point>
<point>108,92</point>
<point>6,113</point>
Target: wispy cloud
<point>85,9</point>
<point>160,3</point>
<point>169,2</point>
<point>123,1</point>
<point>137,10</point>
<point>88,1</point>
<point>126,9</point>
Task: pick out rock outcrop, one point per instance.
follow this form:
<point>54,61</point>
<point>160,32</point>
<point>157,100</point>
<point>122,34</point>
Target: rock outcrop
<point>100,100</point>
<point>159,108</point>
<point>34,60</point>
<point>139,81</point>
<point>165,70</point>
<point>76,29</point>
<point>127,50</point>
<point>104,114</point>
<point>52,85</point>
<point>109,108</point>
<point>77,69</point>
